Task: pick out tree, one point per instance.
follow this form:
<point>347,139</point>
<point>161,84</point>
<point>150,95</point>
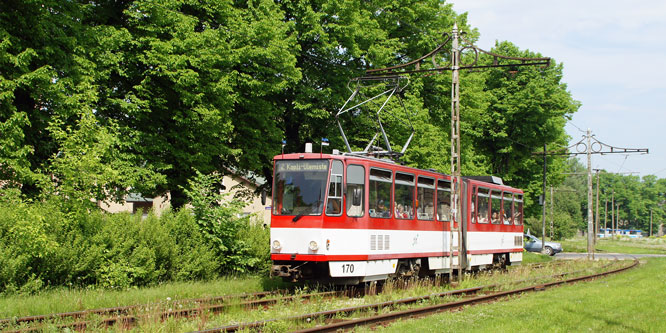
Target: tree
<point>91,164</point>
<point>192,84</point>
<point>42,74</point>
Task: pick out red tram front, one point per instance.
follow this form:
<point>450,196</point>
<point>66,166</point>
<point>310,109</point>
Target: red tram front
<point>347,219</point>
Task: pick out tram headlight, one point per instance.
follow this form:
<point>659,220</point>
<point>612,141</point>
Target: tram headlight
<point>314,246</point>
<point>276,245</point>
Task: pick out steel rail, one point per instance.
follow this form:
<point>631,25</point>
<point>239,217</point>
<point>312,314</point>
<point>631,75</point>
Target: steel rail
<point>392,316</point>
<point>129,320</point>
<point>454,305</point>
<point>330,313</point>
<point>126,309</point>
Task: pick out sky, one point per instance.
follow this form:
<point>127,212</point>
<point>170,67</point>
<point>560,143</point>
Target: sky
<point>614,56</point>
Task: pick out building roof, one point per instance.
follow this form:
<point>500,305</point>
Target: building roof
<point>137,197</point>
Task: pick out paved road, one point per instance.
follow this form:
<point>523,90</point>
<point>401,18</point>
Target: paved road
<point>619,256</point>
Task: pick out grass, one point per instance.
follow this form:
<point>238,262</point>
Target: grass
<point>94,298</point>
<point>618,245</point>
<point>533,258</point>
<point>66,300</point>
<point>629,301</point>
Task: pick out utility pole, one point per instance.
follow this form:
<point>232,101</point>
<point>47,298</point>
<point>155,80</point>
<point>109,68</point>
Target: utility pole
<point>590,224</point>
<point>617,218</point>
<point>543,202</point>
<point>458,44</point>
<point>552,215</point>
<point>456,183</point>
<point>613,214</point>
<point>590,145</point>
<point>596,222</point>
<point>650,222</point>
<point>606,219</point>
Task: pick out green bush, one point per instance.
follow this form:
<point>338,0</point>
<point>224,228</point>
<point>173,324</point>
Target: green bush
<point>47,243</point>
<point>222,223</point>
<point>258,238</point>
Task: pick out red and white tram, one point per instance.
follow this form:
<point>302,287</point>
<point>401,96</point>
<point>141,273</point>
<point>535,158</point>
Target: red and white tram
<point>346,219</point>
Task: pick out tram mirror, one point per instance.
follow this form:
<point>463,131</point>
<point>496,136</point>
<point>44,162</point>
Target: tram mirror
<point>356,197</point>
<point>263,198</point>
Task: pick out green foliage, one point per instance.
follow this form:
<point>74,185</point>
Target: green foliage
<point>258,239</point>
<point>100,98</point>
<point>636,197</point>
<point>91,163</point>
<point>48,244</point>
<point>219,220</point>
<point>193,82</point>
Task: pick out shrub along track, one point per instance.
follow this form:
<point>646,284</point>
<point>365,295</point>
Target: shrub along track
<point>469,296</point>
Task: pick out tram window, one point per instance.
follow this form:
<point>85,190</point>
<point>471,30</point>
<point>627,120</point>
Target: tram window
<point>495,206</point>
<point>473,209</point>
<point>444,200</point>
<point>483,202</point>
<point>299,187</point>
<point>355,190</point>
<point>518,209</point>
<point>380,193</point>
<point>334,204</point>
<point>426,199</point>
<point>507,209</point>
<point>404,196</point>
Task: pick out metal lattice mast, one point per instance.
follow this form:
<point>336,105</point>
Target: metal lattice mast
<point>590,145</point>
<point>590,219</point>
<point>456,180</point>
<point>459,44</point>
<point>596,220</point>
<point>552,215</point>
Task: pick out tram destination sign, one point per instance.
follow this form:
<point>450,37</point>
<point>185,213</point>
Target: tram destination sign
<point>295,166</point>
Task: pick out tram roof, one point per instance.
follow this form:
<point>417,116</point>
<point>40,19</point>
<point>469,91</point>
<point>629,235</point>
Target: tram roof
<point>389,163</point>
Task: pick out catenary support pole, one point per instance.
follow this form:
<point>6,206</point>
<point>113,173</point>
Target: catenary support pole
<point>606,218</point>
<point>590,226</point>
<point>596,221</point>
<point>613,214</point>
<point>543,201</point>
<point>552,216</point>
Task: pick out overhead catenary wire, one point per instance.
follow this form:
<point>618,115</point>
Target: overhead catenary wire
<point>574,125</point>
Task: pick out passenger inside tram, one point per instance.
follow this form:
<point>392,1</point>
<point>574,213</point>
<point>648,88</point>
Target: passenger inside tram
<point>483,215</point>
<point>444,212</point>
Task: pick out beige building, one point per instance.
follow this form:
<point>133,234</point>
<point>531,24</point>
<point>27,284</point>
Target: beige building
<point>237,186</point>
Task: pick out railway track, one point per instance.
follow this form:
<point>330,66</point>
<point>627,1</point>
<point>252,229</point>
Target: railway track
<point>468,296</point>
<point>130,316</point>
<point>124,310</point>
<point>123,315</point>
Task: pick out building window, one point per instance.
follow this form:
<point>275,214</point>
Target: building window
<point>142,207</point>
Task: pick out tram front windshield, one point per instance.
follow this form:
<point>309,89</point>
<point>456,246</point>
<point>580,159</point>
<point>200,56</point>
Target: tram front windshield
<point>299,187</point>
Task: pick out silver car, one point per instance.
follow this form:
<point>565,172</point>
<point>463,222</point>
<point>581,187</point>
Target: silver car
<point>533,244</point>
